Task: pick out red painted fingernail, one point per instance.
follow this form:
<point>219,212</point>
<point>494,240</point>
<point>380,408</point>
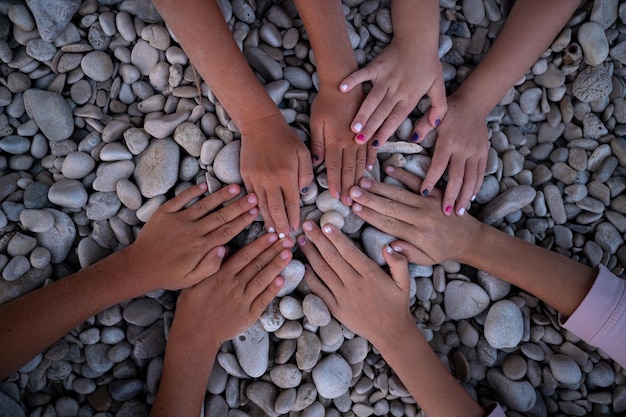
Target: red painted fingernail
<point>360,137</point>
<point>448,209</point>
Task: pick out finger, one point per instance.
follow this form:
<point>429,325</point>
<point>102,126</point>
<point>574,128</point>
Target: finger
<point>482,166</point>
<point>292,207</point>
<point>438,166</point>
<point>318,148</point>
<point>227,231</point>
<point>348,174</point>
<point>467,189</point>
<point>249,253</point>
<point>334,171</point>
<point>410,180</point>
<point>181,200</point>
<point>227,214</point>
<point>370,157</point>
<point>262,300</point>
<point>398,268</point>
<point>422,127</point>
<point>391,123</point>
<point>278,210</point>
<point>439,104</point>
<point>209,264</point>
<point>265,211</point>
<point>376,106</point>
<point>350,258</point>
<point>317,261</point>
<point>412,253</point>
<point>385,198</point>
<point>305,172</point>
<point>385,223</point>
<point>356,78</point>
<point>456,173</point>
<point>209,203</point>
<point>263,270</point>
<point>319,288</point>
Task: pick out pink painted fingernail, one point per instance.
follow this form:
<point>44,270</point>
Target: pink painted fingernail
<point>390,169</point>
<point>233,189</point>
<point>357,207</point>
<point>360,137</point>
<point>251,199</point>
<point>285,254</point>
<point>448,210</point>
<point>254,211</point>
<point>308,226</point>
<point>366,183</point>
<point>221,252</point>
<point>355,192</point>
<point>273,238</point>
<point>203,186</point>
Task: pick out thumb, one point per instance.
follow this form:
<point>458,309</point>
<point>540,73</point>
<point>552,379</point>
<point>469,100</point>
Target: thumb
<point>398,268</point>
<point>412,253</point>
<point>439,104</point>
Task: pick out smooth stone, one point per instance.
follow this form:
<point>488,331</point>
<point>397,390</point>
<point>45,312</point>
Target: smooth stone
<point>455,300</point>
<point>109,174</point>
<point>292,274</point>
<point>286,401</point>
<point>315,310</point>
<point>271,319</point>
<point>593,41</point>
<point>354,350</point>
<point>51,25</point>
<point>163,126</point>
<point>298,78</point>
<point>28,282</point>
<point>291,308</point>
<point>77,165</point>
<point>36,220</point>
<point>125,389</point>
<point>97,65</point>
<point>517,395</point>
<point>226,163</point>
<point>59,239</point>
<point>16,267</point>
<point>102,206</point>
<point>504,325</point>
<point>264,64</point>
<point>150,343</point>
<point>608,237</point>
<point>15,145</point>
<point>551,78</point>
<point>506,203</point>
<point>325,202</point>
<point>157,167</point>
<point>189,136</point>
<point>332,376</point>
<point>215,406</point>
<point>144,56</point>
<point>564,369</point>
<point>602,375</point>
<point>252,350</point>
<point>373,242</point>
<point>494,286</point>
<point>20,244</point>
<point>264,395</point>
<point>51,113</point>
<point>286,376</point>
<point>20,15</point>
<point>96,356</point>
<point>529,100</point>
<point>308,350</point>
<point>142,312</point>
<point>554,202</point>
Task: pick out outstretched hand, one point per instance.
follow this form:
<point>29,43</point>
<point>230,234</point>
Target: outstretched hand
<point>276,166</point>
<point>462,146</point>
<point>179,245</point>
<point>399,77</point>
<point>355,289</point>
<point>332,140</point>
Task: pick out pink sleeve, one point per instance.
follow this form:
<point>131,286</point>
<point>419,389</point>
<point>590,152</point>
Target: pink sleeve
<point>600,319</point>
<point>494,410</point>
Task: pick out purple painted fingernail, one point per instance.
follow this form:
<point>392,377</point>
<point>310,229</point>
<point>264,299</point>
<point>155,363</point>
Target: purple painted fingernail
<point>425,193</point>
<point>316,158</point>
<point>437,122</point>
<point>415,137</point>
<point>375,143</point>
<point>304,190</point>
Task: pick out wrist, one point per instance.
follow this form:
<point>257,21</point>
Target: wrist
<point>271,120</point>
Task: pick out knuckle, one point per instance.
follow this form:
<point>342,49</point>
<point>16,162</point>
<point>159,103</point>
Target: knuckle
<point>220,218</point>
<point>391,208</point>
<point>387,222</point>
<point>257,265</point>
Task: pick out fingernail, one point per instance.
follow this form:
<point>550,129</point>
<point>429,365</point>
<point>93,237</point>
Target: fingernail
<point>348,201</point>
<point>473,197</point>
<point>415,137</point>
<point>397,248</point>
<point>251,199</point>
<point>203,186</point>
<point>281,235</point>
<point>461,211</point>
<point>425,193</point>
<point>327,229</point>
<point>360,137</point>
<point>316,158</point>
<point>233,189</point>
<point>375,143</point>
<point>271,229</point>
<point>370,167</point>
<point>448,210</point>
<point>437,122</point>
<point>254,211</point>
<point>366,183</point>
<point>273,238</point>
<point>308,226</point>
<point>221,251</point>
<point>304,190</point>
<point>388,249</point>
<point>357,207</point>
<point>390,169</point>
<point>358,127</point>
<point>284,254</point>
<point>302,240</point>
<point>287,243</point>
<point>355,192</point>
<point>344,87</point>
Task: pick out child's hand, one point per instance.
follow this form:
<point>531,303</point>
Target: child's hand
<point>276,166</point>
<point>355,289</point>
<point>228,302</point>
<point>462,147</point>
<point>429,236</point>
<point>179,246</point>
<point>331,140</point>
<point>400,77</point>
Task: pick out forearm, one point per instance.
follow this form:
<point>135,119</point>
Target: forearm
<point>407,15</point>
<point>204,35</point>
<point>326,27</point>
<point>529,29</point>
<point>186,372</point>
<point>429,382</point>
<point>557,280</point>
<point>30,324</point>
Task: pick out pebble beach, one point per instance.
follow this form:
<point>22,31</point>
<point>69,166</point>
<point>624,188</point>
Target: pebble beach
<point>103,118</point>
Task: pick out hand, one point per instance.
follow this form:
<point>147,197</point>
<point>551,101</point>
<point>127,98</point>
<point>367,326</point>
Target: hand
<point>228,302</point>
<point>429,237</point>
<point>332,140</point>
<point>276,166</point>
<point>461,143</point>
<point>355,289</point>
<point>179,246</point>
<point>400,78</point>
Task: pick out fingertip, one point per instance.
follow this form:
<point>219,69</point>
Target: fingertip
<point>278,282</point>
<point>221,252</point>
<point>344,87</point>
<point>203,186</point>
<point>233,189</point>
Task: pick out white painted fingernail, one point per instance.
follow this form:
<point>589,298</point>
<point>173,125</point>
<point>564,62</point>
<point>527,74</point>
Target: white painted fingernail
<point>358,127</point>
<point>271,230</point>
<point>326,229</point>
<point>398,249</point>
<point>281,235</point>
<point>388,249</point>
<point>473,197</point>
<point>461,211</point>
<point>344,87</point>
